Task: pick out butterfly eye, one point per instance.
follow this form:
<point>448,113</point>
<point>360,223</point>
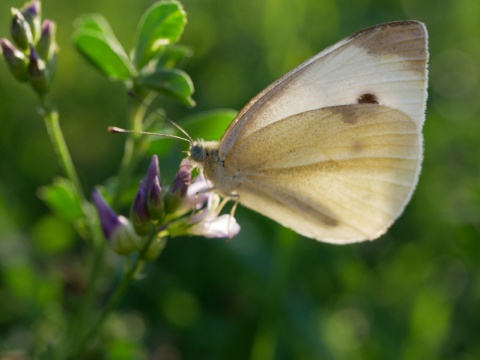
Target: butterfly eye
<point>197,153</point>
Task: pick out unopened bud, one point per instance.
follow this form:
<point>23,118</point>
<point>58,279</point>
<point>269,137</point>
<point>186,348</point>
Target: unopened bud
<point>47,46</point>
<point>139,214</point>
<point>154,189</point>
<point>20,30</point>
<point>178,190</point>
<point>31,13</point>
<point>38,73</point>
<point>117,229</point>
<point>154,201</point>
<point>15,59</point>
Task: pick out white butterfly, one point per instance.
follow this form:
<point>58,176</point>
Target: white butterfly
<point>333,149</point>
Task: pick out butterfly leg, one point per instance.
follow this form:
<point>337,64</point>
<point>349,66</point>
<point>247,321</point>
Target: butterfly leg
<point>232,210</point>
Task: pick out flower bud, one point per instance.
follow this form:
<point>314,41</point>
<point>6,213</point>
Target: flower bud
<point>179,187</point>
<point>139,214</point>
<point>31,13</point>
<point>154,190</point>
<point>20,30</point>
<point>155,204</point>
<point>15,59</point>
<point>47,46</point>
<point>117,229</point>
<point>153,171</point>
<point>38,73</point>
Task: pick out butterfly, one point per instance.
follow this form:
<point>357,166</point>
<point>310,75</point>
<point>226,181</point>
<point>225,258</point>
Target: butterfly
<point>333,149</point>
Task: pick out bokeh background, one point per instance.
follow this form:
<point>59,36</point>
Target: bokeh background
<point>269,293</point>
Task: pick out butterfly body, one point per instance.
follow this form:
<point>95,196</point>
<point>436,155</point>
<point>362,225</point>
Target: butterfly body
<point>332,149</point>
<point>205,154</point>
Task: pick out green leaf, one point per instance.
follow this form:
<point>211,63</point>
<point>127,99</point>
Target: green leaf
<point>96,41</point>
<point>208,125</point>
<point>63,199</point>
<point>172,83</point>
<point>174,56</point>
<point>161,25</point>
<point>94,22</point>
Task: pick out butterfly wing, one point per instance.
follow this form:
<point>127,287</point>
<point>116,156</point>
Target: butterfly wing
<point>385,64</point>
<point>347,179</point>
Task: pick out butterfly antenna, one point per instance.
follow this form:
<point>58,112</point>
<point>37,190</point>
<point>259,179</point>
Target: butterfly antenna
<point>171,122</point>
<point>114,129</point>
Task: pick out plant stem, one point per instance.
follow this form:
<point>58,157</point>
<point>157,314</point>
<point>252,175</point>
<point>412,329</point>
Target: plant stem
<point>114,299</point>
<point>52,124</point>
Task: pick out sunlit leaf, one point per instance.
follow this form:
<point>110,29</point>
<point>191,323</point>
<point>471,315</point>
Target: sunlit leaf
<point>172,83</point>
<point>96,41</point>
<point>161,25</point>
<point>174,56</point>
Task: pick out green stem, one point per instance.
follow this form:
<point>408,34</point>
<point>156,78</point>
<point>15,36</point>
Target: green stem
<point>114,299</point>
<point>52,124</point>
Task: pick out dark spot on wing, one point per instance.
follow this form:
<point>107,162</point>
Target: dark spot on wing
<point>367,99</point>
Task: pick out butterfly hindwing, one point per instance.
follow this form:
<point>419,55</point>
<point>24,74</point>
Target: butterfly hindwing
<point>348,178</point>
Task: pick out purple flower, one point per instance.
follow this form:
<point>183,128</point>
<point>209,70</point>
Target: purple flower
<point>178,190</point>
<point>153,171</point>
<point>117,229</point>
<point>139,213</point>
<point>182,179</point>
<point>155,207</point>
<point>148,204</point>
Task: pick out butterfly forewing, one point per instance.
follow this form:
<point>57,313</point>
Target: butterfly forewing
<point>385,64</point>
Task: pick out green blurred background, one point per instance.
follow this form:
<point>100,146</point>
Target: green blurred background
<point>268,294</point>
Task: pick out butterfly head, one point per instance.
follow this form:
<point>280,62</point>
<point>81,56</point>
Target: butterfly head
<point>197,152</point>
<point>201,151</point>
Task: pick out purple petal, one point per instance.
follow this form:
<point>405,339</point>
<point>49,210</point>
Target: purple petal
<point>182,179</point>
<point>152,172</point>
<point>108,218</point>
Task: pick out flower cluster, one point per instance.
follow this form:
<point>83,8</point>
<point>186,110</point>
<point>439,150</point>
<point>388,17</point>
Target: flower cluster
<point>186,207</point>
<point>32,57</point>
